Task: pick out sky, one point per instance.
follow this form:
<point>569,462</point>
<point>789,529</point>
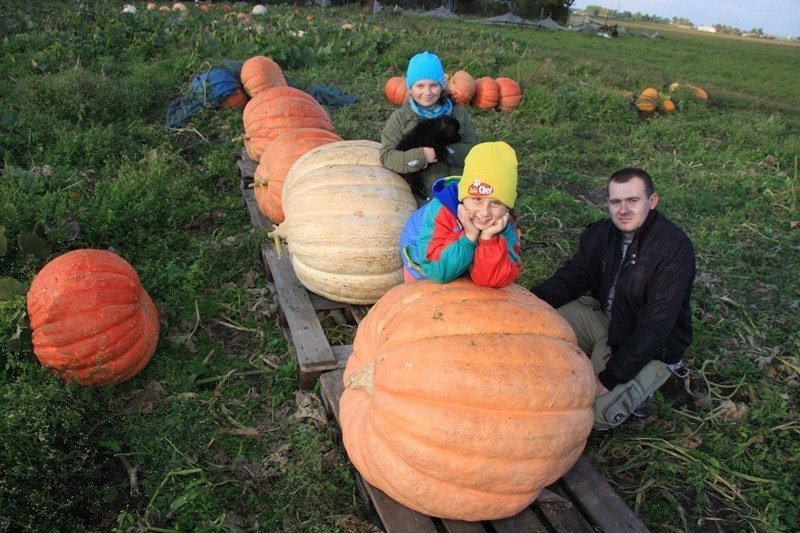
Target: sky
<point>780,18</point>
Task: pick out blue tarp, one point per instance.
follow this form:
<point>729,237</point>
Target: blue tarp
<point>207,89</point>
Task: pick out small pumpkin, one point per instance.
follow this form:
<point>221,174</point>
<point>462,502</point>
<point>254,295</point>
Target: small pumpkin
<point>260,73</point>
<point>651,93</point>
<point>510,94</point>
<point>343,215</point>
<point>92,321</point>
<point>464,402</point>
<point>179,6</point>
<point>699,93</point>
<point>278,158</point>
<point>461,86</point>
<point>487,93</point>
<point>646,104</point>
<point>237,100</point>
<point>667,106</point>
<point>279,109</point>
<point>395,90</point>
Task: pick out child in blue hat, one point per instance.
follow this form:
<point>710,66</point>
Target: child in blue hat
<point>427,99</point>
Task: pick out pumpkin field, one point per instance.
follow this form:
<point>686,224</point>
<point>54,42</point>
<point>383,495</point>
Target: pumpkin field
<point>201,425</point>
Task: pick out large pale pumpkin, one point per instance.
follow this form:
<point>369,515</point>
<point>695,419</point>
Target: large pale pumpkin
<point>462,401</point>
<point>260,73</point>
<point>278,158</point>
<point>92,320</point>
<point>276,110</point>
<point>344,213</point>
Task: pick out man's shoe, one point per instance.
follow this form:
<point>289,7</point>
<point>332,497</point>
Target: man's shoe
<point>643,411</point>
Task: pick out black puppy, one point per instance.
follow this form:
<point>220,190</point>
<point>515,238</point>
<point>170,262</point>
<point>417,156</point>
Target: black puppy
<point>436,133</point>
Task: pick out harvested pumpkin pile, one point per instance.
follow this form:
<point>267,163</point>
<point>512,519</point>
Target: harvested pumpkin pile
<point>651,100</point>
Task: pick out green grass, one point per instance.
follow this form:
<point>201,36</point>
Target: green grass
<point>207,436</point>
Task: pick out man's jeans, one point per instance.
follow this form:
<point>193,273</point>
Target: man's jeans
<point>590,324</point>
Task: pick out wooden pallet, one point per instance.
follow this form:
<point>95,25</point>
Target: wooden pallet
<point>581,501</point>
<point>297,307</point>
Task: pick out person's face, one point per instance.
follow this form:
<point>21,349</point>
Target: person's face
<point>426,93</point>
<point>484,211</point>
<point>629,205</point>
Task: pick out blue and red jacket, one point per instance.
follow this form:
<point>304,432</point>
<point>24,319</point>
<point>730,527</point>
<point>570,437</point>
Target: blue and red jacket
<point>433,244</point>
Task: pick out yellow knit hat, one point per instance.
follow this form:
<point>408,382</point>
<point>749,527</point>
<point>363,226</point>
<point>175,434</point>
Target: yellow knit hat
<point>490,170</point>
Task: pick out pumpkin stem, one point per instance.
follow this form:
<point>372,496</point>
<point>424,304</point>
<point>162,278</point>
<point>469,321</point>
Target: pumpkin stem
<point>362,379</point>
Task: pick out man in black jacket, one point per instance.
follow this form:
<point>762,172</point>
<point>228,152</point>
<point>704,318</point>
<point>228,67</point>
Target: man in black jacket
<point>638,268</point>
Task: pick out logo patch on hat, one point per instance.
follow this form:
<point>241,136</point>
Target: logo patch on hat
<point>479,188</point>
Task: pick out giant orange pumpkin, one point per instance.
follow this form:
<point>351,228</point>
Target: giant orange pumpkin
<point>276,110</point>
<point>510,94</point>
<point>395,90</point>
<point>464,402</point>
<point>487,93</point>
<point>260,73</point>
<point>280,155</point>
<point>92,320</point>
<point>462,87</point>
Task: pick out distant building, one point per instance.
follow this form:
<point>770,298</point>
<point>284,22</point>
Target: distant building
<point>709,29</point>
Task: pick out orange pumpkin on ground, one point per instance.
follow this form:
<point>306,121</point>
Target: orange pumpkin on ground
<point>667,106</point>
<point>700,93</point>
<point>395,90</point>
<point>260,73</point>
<point>510,94</point>
<point>650,93</point>
<point>487,93</point>
<point>462,87</point>
<point>276,110</point>
<point>646,104</point>
<point>464,402</point>
<point>276,161</point>
<point>92,320</point>
<point>237,100</point>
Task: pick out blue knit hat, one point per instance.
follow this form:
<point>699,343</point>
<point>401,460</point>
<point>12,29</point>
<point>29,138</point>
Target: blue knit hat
<point>425,66</point>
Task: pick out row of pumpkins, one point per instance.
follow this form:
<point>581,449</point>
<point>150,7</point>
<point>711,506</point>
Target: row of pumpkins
<point>459,401</point>
<point>651,100</point>
<point>258,9</point>
<point>485,92</point>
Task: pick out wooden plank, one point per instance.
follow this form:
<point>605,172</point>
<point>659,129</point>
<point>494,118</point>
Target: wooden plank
<point>560,513</point>
<point>598,500</point>
<point>314,354</point>
<point>398,518</point>
<point>525,520</point>
<point>331,389</point>
<point>247,166</point>
<point>257,218</point>
<point>460,526</point>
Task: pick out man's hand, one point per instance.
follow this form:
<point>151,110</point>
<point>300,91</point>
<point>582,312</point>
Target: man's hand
<point>465,218</point>
<point>601,389</point>
<point>498,226</point>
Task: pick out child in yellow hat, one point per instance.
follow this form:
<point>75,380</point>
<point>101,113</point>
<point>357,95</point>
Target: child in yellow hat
<point>468,228</point>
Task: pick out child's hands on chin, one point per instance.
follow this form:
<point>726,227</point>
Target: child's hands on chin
<point>498,226</point>
<point>470,230</point>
